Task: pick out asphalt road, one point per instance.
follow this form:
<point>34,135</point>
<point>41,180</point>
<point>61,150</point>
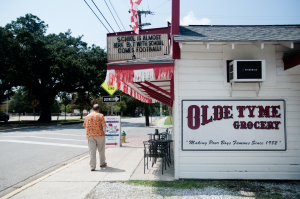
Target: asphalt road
<point>27,152</point>
<point>31,152</point>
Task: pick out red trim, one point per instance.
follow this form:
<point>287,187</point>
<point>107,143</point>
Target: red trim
<point>139,66</point>
<point>154,94</point>
<point>158,98</point>
<point>162,81</point>
<point>172,89</point>
<point>175,17</point>
<point>175,30</point>
<point>175,54</point>
<point>164,87</point>
<point>157,88</point>
<point>292,62</point>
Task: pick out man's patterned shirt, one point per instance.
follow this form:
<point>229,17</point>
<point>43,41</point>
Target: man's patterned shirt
<point>93,124</point>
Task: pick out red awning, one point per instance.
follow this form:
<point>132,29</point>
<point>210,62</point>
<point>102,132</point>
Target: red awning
<point>146,82</point>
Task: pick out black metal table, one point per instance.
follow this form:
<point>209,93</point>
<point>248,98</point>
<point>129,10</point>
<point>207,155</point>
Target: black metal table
<point>152,136</point>
<point>159,148</point>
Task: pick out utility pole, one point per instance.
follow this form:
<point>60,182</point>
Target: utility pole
<point>139,13</point>
<point>7,106</point>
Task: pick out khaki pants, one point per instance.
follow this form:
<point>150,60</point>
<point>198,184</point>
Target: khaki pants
<point>94,143</point>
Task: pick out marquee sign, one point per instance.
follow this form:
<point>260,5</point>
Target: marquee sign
<point>142,46</point>
<point>234,125</point>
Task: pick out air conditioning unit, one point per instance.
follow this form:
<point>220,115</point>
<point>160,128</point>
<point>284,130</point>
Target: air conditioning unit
<point>247,71</point>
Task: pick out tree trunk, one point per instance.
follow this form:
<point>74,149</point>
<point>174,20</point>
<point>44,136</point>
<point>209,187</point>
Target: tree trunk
<point>146,113</point>
<point>81,113</point>
<point>45,102</point>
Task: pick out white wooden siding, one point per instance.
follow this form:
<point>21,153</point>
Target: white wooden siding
<point>201,74</point>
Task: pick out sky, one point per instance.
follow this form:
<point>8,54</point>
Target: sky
<point>61,15</point>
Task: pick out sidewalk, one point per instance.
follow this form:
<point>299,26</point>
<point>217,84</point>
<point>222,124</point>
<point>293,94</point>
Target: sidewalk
<point>160,123</point>
<point>75,180</point>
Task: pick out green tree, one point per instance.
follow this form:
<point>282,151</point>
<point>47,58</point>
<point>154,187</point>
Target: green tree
<point>66,109</point>
<point>119,107</point>
<point>131,104</point>
<point>82,101</point>
<point>8,51</point>
<point>104,107</point>
<point>17,102</point>
<point>154,108</point>
<point>55,108</point>
<point>49,64</point>
<point>116,109</point>
<point>21,102</point>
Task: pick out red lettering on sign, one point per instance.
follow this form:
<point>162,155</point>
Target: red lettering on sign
<point>251,110</point>
<point>236,124</point>
<point>263,125</point>
<point>274,111</point>
<point>204,116</point>
<point>264,112</point>
<point>243,125</point>
<point>250,125</point>
<point>218,112</point>
<point>256,125</point>
<point>193,120</point>
<point>227,114</point>
<point>241,110</point>
<point>276,124</point>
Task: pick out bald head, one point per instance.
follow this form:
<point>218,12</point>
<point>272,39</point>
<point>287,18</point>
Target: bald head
<point>96,107</point>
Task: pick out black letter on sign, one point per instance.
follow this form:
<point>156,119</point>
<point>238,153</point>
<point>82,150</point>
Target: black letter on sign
<point>191,117</point>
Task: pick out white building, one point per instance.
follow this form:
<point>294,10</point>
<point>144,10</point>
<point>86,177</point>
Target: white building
<point>240,125</point>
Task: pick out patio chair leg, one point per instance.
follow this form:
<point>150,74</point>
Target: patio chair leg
<point>162,166</point>
<point>166,163</point>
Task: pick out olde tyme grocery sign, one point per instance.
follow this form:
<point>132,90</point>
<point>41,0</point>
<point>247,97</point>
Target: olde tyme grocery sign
<point>235,125</point>
<point>123,47</point>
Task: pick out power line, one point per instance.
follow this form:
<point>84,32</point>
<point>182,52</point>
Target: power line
<point>96,15</point>
<point>103,15</point>
<point>148,5</point>
<point>126,4</point>
<point>112,15</point>
<point>149,9</point>
<point>116,13</point>
<point>161,5</point>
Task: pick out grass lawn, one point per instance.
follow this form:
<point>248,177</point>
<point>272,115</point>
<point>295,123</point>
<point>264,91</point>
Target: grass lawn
<point>167,121</point>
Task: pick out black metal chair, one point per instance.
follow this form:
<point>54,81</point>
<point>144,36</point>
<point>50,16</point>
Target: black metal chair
<point>155,149</point>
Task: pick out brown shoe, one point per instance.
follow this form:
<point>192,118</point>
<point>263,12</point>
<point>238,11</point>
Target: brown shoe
<point>103,165</point>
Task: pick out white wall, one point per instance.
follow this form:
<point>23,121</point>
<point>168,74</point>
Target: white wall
<point>201,74</point>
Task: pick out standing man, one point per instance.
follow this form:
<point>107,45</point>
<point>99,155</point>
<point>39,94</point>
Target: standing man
<point>95,126</point>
